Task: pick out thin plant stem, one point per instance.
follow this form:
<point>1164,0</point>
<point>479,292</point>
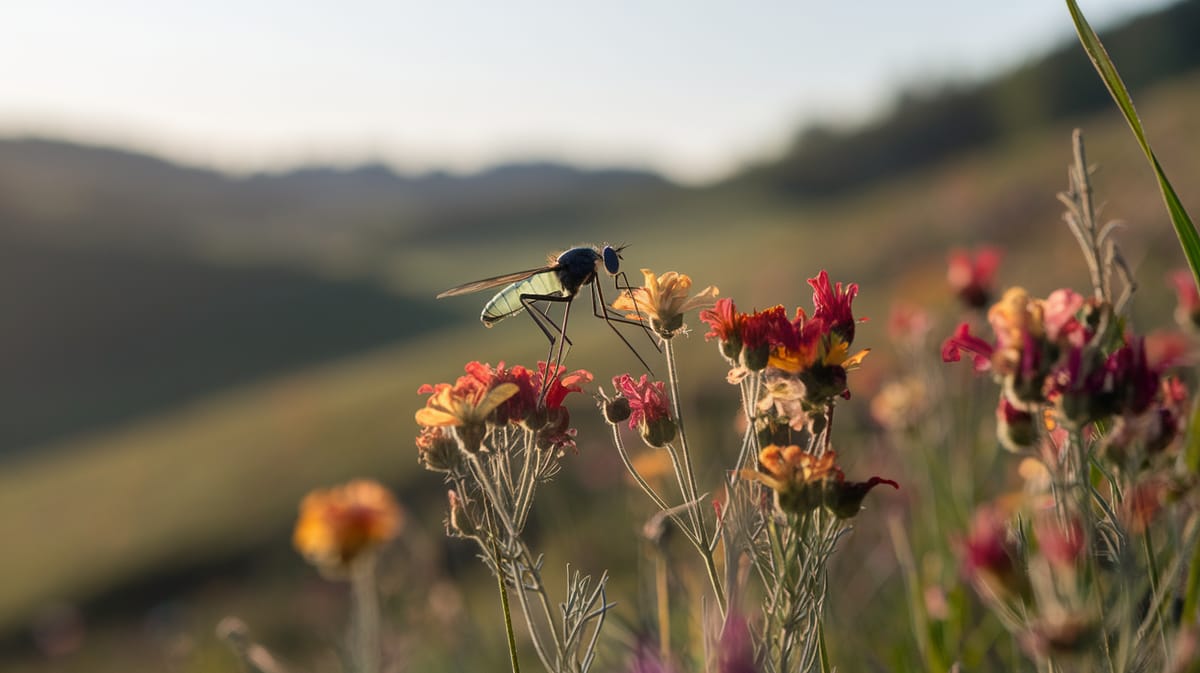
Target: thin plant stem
<point>366,615</point>
<point>508,627</point>
<point>691,489</point>
<point>1191,594</point>
<point>663,597</point>
<point>1152,567</point>
<point>823,651</point>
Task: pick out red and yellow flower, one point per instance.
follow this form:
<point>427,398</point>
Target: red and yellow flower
<point>340,525</point>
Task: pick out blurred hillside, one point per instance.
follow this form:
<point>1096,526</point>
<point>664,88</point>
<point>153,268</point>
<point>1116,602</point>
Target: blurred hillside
<point>130,285</point>
<point>187,353</point>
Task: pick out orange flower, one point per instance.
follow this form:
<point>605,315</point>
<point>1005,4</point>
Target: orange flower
<point>448,407</point>
<point>342,524</point>
<point>792,465</point>
<point>802,482</point>
<point>663,300</point>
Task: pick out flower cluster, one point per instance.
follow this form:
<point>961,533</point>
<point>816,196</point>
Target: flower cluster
<point>340,525</point>
<point>1037,573</point>
<point>1068,353</point>
<point>804,359</point>
<point>803,481</point>
<point>489,397</point>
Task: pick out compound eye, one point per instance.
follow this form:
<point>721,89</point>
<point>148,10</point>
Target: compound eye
<point>612,262</point>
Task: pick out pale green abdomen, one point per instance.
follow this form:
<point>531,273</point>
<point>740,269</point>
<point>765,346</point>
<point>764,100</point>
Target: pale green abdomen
<point>508,301</point>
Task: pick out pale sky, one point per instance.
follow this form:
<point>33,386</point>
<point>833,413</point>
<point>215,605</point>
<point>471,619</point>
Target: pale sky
<point>691,89</point>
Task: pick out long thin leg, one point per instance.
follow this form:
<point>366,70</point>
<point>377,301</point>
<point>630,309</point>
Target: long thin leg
<point>621,283</point>
<point>535,311</point>
<point>563,341</point>
<point>597,302</point>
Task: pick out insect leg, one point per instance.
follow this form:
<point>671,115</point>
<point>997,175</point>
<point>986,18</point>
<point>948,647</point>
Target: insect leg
<point>621,283</point>
<point>564,343</point>
<point>597,302</point>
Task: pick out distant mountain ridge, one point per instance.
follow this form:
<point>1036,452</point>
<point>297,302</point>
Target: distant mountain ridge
<point>47,182</point>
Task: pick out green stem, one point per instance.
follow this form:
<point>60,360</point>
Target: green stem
<point>1152,566</point>
<point>825,668</point>
<point>1191,595</point>
<point>508,626</point>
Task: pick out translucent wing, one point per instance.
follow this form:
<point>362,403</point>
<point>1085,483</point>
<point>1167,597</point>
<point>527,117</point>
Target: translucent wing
<point>494,281</point>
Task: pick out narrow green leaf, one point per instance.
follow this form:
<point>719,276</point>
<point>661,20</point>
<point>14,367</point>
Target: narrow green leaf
<point>1189,240</point>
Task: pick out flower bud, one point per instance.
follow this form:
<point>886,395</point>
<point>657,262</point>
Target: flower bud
<point>669,328</point>
<point>1016,429</point>
<point>800,498</point>
<point>844,498</point>
<point>824,382</point>
<point>470,436</point>
<point>658,432</point>
<point>438,452</point>
<point>755,359</point>
<point>731,348</point>
<point>616,410</point>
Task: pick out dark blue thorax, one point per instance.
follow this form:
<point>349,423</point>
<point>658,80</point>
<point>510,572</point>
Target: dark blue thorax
<point>576,268</point>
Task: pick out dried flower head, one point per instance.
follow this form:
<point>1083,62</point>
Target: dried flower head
<point>663,300</point>
<point>342,524</point>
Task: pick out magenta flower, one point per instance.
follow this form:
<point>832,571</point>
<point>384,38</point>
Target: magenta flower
<point>647,399</point>
<point>962,341</point>
<point>831,305</point>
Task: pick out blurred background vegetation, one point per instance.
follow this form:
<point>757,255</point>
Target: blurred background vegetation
<point>185,353</point>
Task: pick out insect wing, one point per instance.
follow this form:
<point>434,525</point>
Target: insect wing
<point>495,281</point>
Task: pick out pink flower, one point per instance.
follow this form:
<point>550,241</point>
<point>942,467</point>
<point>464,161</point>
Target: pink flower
<point>647,400</point>
<point>1059,312</point>
<point>1187,309</point>
<point>972,277</point>
<point>908,323</point>
<point>962,341</point>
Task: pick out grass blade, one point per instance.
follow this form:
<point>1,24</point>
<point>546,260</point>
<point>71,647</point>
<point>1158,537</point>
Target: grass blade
<point>1189,240</point>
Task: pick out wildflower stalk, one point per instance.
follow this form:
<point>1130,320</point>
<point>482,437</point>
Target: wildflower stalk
<point>366,615</point>
<point>1154,612</point>
<point>508,626</point>
<point>1191,595</point>
<point>663,600</point>
<point>689,485</point>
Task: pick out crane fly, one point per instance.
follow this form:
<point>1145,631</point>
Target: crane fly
<point>559,282</point>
